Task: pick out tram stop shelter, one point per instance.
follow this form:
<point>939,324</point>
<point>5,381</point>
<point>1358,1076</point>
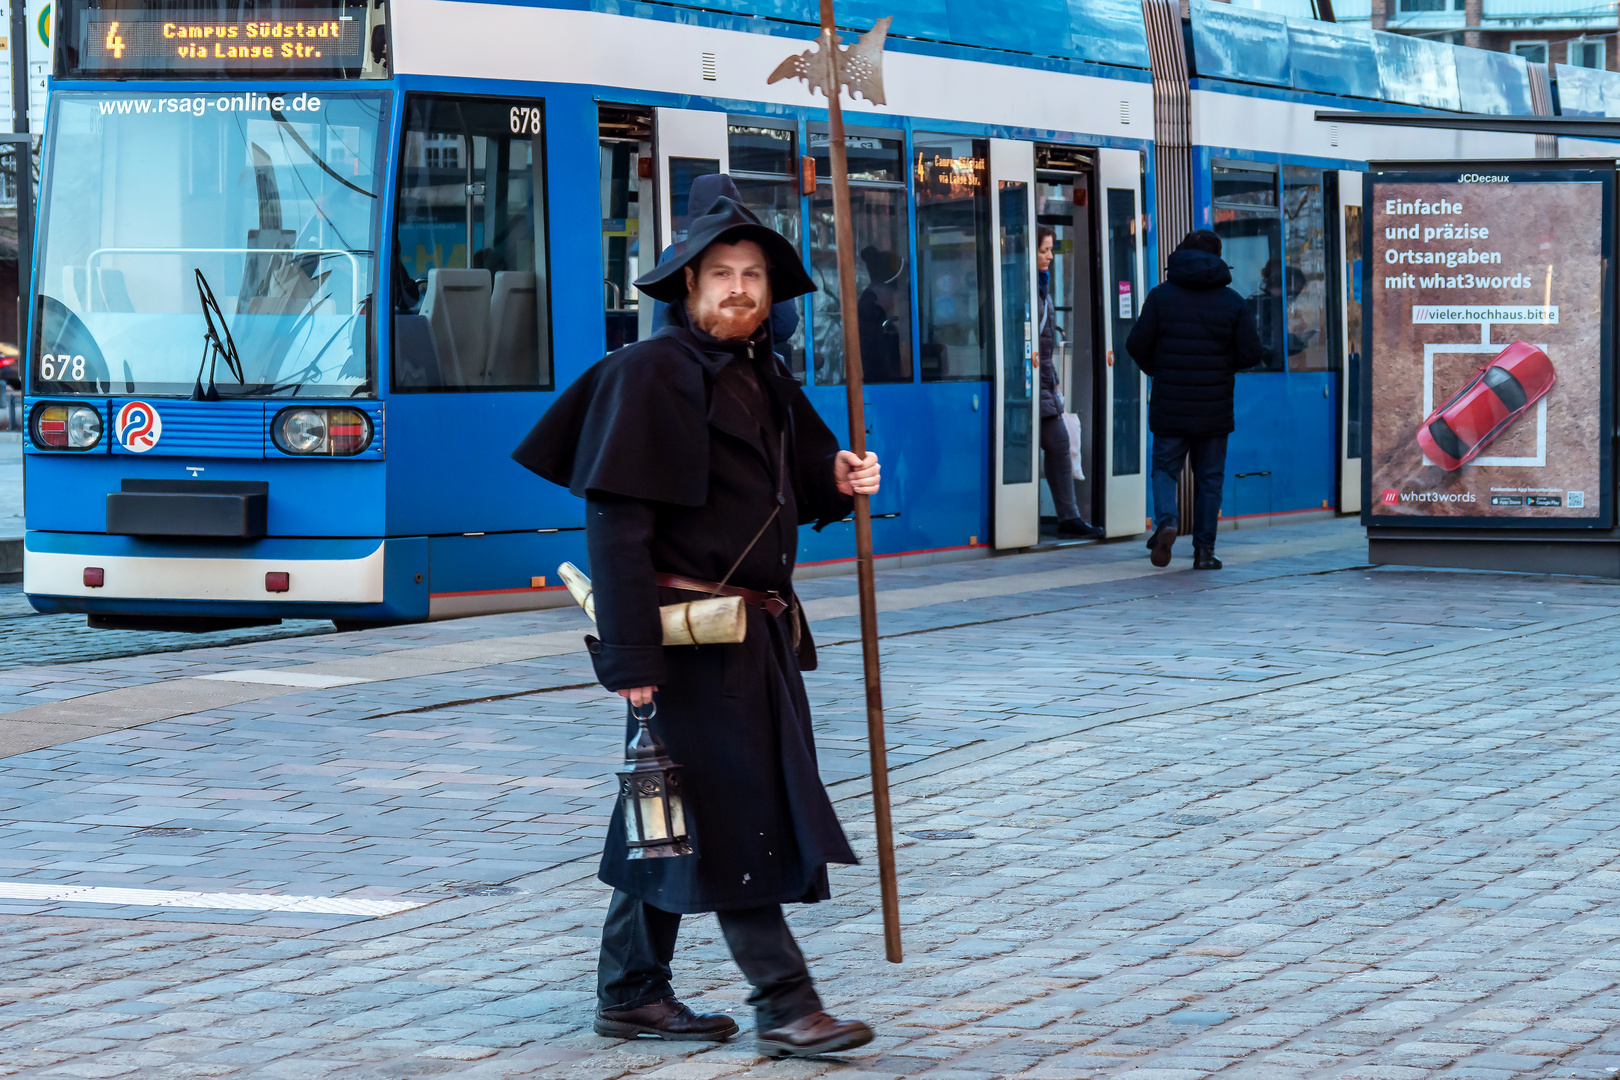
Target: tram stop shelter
<point>1488,395</point>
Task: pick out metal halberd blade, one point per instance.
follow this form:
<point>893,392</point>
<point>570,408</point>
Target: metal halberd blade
<point>860,66</point>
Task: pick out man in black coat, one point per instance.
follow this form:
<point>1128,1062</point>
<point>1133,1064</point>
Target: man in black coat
<point>698,457</point>
<point>1192,335</point>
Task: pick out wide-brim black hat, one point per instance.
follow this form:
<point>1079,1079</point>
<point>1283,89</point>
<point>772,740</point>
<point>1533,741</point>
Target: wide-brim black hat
<point>728,221</point>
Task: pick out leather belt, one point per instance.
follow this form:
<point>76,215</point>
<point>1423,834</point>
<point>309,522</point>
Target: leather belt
<point>771,602</point>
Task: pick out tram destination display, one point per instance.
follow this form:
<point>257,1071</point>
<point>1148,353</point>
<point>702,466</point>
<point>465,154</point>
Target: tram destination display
<point>193,41</point>
<point>1488,340</point>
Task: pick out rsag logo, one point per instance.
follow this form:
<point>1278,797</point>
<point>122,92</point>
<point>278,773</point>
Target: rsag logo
<point>1391,496</point>
<point>138,426</point>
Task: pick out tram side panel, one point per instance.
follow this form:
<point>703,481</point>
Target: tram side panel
<point>496,531</point>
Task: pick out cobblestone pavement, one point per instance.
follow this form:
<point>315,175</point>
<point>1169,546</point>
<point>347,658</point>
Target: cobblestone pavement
<point>29,638</point>
<point>1300,818</point>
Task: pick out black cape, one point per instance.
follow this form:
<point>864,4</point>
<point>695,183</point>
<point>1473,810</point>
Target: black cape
<point>681,461</point>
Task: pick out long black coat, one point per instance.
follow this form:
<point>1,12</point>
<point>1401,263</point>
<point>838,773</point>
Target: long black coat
<point>678,460</point>
<point>1192,335</point>
<point>1051,398</point>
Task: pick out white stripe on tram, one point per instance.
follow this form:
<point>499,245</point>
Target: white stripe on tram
<point>95,894</point>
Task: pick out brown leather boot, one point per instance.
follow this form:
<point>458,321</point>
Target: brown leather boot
<point>813,1035</point>
<point>667,1019</point>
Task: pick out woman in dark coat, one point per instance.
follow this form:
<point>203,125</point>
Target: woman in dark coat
<point>1058,464</point>
<point>699,456</point>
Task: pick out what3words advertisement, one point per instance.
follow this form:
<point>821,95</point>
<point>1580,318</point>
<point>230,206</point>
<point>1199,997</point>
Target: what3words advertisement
<point>1486,338</point>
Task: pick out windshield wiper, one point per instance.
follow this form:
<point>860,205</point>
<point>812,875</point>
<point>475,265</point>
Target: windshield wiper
<point>214,346</point>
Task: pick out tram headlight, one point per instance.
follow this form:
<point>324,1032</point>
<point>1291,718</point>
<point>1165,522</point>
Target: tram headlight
<point>329,431</point>
<point>59,426</point>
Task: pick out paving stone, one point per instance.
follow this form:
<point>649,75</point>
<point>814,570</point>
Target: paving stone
<point>1299,816</point>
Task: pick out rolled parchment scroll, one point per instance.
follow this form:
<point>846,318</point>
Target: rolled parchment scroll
<point>721,620</point>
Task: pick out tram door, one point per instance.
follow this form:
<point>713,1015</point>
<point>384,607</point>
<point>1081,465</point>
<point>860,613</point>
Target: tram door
<point>1017,377</point>
<point>1125,470</point>
<point>629,226</point>
<point>1350,435</point>
<point>1065,201</point>
<point>691,143</point>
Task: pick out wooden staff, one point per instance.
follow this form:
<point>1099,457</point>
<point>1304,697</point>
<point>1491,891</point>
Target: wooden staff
<point>829,68</point>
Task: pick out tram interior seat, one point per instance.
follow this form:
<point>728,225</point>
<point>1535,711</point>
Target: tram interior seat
<point>475,329</point>
<point>109,293</point>
<point>416,359</point>
<point>514,312</point>
<point>457,310</point>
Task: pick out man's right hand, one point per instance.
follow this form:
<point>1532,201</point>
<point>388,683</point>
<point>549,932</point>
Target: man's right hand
<point>641,695</point>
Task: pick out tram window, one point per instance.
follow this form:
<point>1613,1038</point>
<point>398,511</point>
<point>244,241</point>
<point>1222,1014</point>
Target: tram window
<point>629,232</point>
<point>877,199</point>
<point>764,170</point>
<point>1248,219</point>
<point>1305,270</point>
<point>870,157</point>
<point>1123,300</point>
<point>471,290</point>
<point>766,150</point>
<point>682,171</point>
<point>955,297</point>
<point>270,211</point>
<point>1018,376</point>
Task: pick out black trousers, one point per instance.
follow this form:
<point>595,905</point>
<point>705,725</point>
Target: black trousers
<point>638,942</point>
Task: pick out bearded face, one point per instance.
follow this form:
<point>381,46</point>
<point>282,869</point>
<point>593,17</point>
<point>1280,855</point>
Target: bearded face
<point>729,294</point>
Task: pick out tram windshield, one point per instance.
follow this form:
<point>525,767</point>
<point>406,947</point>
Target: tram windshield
<point>159,204</point>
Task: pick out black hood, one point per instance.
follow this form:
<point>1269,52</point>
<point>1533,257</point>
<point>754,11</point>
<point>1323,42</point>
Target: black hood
<point>730,221</point>
<point>707,190</point>
<point>1194,269</point>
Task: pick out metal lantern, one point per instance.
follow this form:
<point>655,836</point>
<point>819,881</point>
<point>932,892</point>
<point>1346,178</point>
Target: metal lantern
<point>650,797</point>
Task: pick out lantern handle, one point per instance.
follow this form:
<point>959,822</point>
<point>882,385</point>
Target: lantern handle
<point>653,705</point>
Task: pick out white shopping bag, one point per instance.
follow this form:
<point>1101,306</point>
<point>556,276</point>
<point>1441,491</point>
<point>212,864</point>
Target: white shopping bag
<point>1071,424</point>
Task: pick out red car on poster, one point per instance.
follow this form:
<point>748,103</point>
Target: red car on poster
<point>1504,389</point>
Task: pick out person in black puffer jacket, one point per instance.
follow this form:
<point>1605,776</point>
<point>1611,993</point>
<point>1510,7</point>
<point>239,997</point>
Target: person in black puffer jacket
<point>1192,335</point>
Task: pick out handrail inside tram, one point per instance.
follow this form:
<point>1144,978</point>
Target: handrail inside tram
<point>352,256</point>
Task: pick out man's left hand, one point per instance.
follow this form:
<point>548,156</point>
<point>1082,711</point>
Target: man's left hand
<point>854,476</point>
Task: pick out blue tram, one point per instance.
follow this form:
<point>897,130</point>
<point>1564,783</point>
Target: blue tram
<point>306,272</point>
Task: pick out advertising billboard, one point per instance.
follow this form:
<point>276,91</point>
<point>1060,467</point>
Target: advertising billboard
<point>1488,338</point>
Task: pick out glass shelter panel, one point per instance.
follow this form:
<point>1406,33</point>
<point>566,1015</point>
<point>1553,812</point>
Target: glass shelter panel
<point>1018,374</point>
<point>1352,324</point>
<point>470,303</point>
<point>878,213</point>
<point>1248,220</point>
<point>1304,274</point>
<point>1123,302</point>
<point>955,301</point>
<point>156,200</point>
<point>763,165</point>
